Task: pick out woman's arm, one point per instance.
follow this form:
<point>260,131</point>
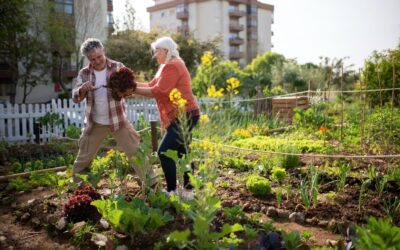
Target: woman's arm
<point>143,90</point>
<point>142,84</point>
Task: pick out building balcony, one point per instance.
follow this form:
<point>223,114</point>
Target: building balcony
<point>238,1</point>
<point>236,41</point>
<point>236,27</point>
<point>183,15</point>
<point>184,28</point>
<point>236,13</point>
<point>235,55</point>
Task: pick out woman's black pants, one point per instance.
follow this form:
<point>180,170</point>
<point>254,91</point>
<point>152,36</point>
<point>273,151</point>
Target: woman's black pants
<point>173,140</point>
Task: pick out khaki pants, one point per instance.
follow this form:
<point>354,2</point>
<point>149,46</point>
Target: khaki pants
<point>127,140</point>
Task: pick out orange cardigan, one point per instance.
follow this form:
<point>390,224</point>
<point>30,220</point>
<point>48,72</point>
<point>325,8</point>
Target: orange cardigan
<point>173,75</point>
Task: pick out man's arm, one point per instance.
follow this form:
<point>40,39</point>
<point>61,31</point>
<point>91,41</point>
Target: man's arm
<point>81,88</point>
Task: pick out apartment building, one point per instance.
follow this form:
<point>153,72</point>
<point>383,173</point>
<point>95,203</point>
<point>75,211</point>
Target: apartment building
<point>243,25</point>
<point>87,18</point>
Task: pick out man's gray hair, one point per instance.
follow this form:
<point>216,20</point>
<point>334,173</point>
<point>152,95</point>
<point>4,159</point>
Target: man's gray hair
<point>168,44</point>
<point>90,45</point>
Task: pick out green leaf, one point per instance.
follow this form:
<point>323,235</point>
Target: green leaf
<point>173,154</point>
<point>179,239</point>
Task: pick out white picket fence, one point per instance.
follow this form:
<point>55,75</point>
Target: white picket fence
<point>17,121</point>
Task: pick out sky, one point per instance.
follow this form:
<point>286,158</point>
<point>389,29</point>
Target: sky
<point>305,30</point>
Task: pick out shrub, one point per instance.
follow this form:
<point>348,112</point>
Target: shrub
<point>60,161</point>
<point>28,166</point>
<point>278,174</point>
<point>51,164</point>
<point>73,132</point>
<point>17,167</point>
<point>18,184</point>
<point>38,165</point>
<point>258,185</point>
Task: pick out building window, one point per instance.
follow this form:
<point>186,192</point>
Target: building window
<point>181,8</point>
<point>233,36</point>
<point>252,9</point>
<point>234,50</point>
<point>233,8</point>
<point>110,18</point>
<point>163,14</point>
<point>66,6</point>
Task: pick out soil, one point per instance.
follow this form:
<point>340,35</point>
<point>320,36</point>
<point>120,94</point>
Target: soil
<point>327,222</point>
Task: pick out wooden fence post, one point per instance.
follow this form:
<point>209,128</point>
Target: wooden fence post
<point>154,141</point>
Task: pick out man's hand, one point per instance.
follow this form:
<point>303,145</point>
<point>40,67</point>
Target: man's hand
<point>87,86</point>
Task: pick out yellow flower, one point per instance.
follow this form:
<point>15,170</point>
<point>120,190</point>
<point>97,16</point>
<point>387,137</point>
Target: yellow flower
<point>175,96</point>
<point>241,133</point>
<point>213,92</point>
<point>233,84</point>
<point>207,59</point>
<point>204,118</point>
<point>181,103</point>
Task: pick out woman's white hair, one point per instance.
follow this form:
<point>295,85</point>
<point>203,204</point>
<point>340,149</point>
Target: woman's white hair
<point>168,44</point>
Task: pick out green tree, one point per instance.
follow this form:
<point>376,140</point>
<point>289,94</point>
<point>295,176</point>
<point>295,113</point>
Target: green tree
<point>260,68</point>
<point>289,76</point>
<point>334,76</point>
<point>132,47</point>
<point>216,73</point>
<point>13,22</point>
<point>191,49</point>
<point>382,70</point>
<point>61,30</point>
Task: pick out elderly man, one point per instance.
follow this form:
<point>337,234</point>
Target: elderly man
<point>103,114</point>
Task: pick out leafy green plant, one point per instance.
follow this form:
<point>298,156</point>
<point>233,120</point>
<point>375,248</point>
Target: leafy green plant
<point>312,117</point>
<point>235,163</point>
<point>73,131</point>
<point>82,236</point>
<point>202,211</point>
<point>159,200</point>
<point>278,195</point>
<point>343,174</point>
<point>290,159</point>
<point>264,165</point>
<point>306,235</point>
<point>380,184</point>
<point>132,218</point>
<point>309,189</point>
<point>234,214</point>
<point>58,183</point>
<point>258,185</point>
<point>38,165</point>
<point>392,208</point>
<point>16,167</point>
<point>292,240</point>
<point>18,184</point>
<point>377,234</point>
<point>50,121</point>
<point>278,174</point>
<point>145,159</point>
<point>363,192</point>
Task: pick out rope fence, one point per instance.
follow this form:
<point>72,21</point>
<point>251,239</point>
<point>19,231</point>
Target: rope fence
<point>297,94</point>
<point>299,154</point>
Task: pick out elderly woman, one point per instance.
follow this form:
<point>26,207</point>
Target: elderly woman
<point>171,75</point>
